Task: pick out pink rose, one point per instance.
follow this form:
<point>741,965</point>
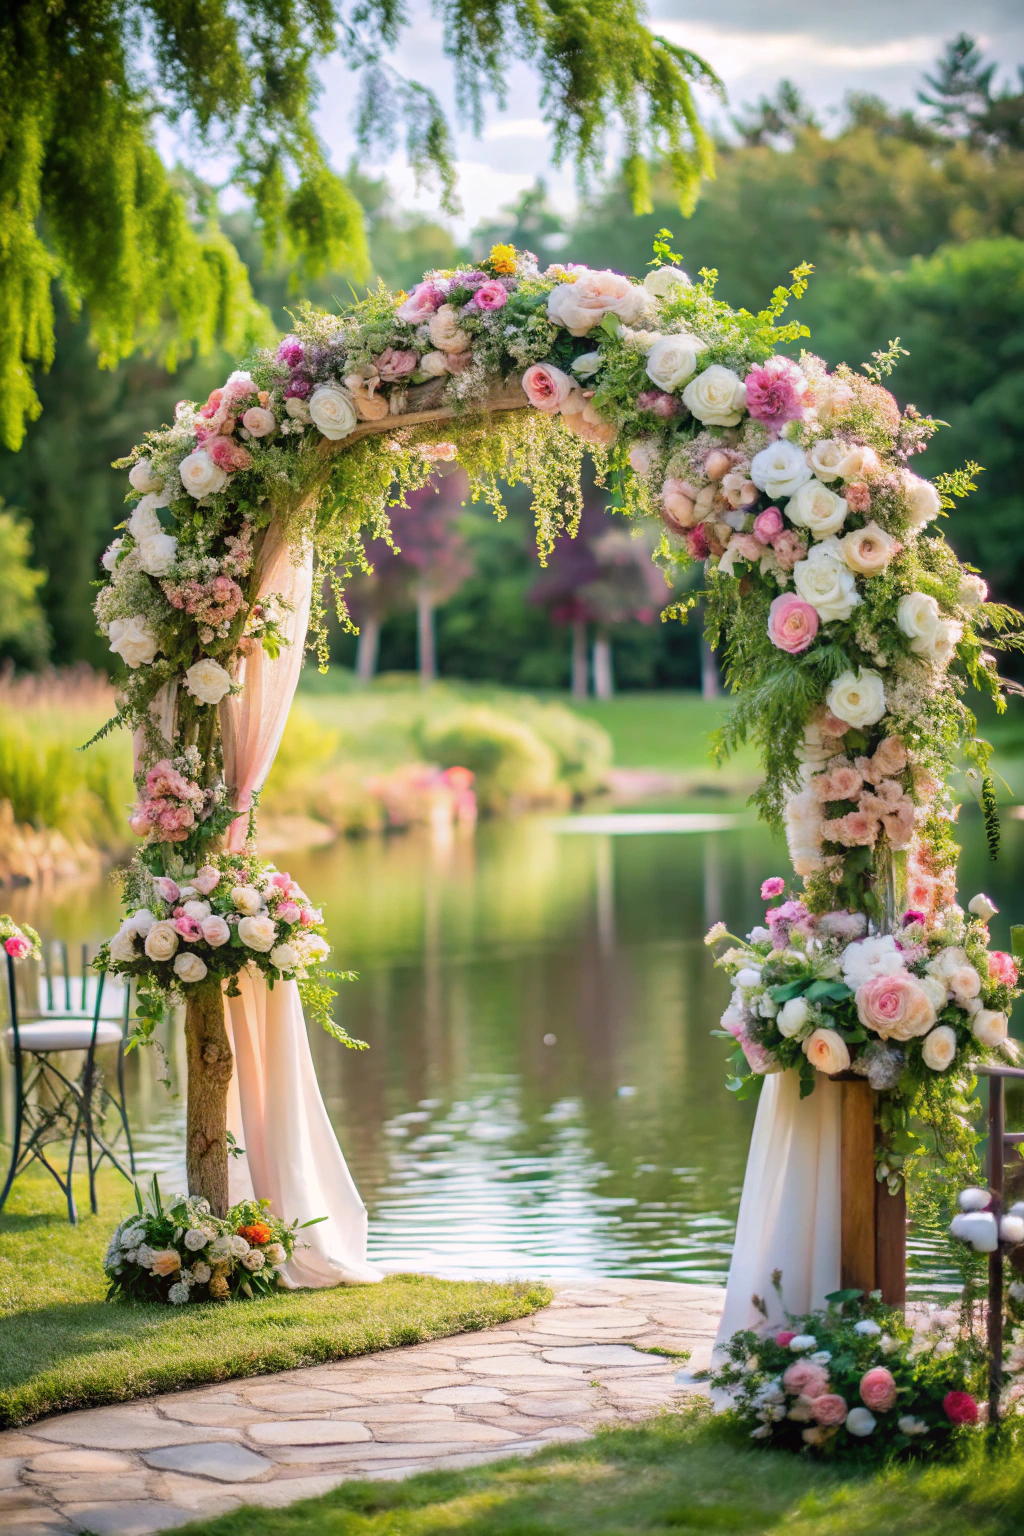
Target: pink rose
<point>789,548</point>
<point>888,758</point>
<point>896,1007</point>
<point>548,389</point>
<point>697,546</point>
<point>215,931</point>
<point>206,879</point>
<point>843,783</point>
<point>792,623</point>
<point>394,364</point>
<point>775,392</point>
<point>188,928</point>
<point>490,295</point>
<point>829,1408</point>
<point>310,915</point>
<point>878,1389</point>
<point>288,912</point>
<point>259,422</point>
<point>768,525</point>
<point>425,300</point>
<point>857,497</point>
<point>899,824</point>
<point>854,830</point>
<point>782,1339</point>
<point>806,1378</point>
<point>772,887</point>
<point>140,824</point>
<point>228,455</point>
<point>17,946</point>
<point>1002,969</point>
<point>166,888</point>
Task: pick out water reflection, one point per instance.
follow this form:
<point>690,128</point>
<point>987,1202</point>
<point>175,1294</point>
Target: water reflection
<point>542,1094</point>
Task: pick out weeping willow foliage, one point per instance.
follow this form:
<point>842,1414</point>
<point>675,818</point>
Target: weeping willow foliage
<point>87,204</point>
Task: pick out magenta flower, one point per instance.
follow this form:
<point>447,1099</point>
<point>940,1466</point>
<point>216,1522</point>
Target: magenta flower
<point>17,946</point>
<point>772,887</point>
<point>489,296</point>
<point>298,388</point>
<point>290,351</point>
<point>775,392</point>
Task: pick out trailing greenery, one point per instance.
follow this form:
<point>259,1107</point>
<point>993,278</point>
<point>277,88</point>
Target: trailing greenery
<point>63,1347</point>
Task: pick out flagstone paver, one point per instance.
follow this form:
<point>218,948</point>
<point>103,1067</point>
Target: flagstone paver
<point>136,1468</point>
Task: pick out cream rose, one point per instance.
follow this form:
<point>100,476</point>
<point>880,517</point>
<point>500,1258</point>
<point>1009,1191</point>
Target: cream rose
<point>917,615</point>
<point>868,550</point>
<point>247,900</point>
<point>157,553</point>
<point>672,360</point>
<point>939,1048</point>
<point>826,582</point>
<point>990,1027</point>
<point>144,522</point>
<point>313,947</point>
<point>586,366</point>
<point>780,469</point>
<point>215,931</point>
<point>133,640</point>
<point>832,460</point>
<point>284,956</point>
<point>143,477</point>
<point>259,933</point>
<point>200,475</point>
<point>332,411</point>
<point>207,681</point>
<point>716,397</point>
<point>122,945</point>
<point>581,305</point>
<point>298,410</point>
<point>189,967</point>
<point>161,941</point>
<point>445,332</point>
<point>817,509</point>
<point>857,697</point>
<point>827,1051</point>
<point>434,365</point>
<point>661,280</point>
<point>923,501</point>
<point>258,421</point>
<point>896,1007</point>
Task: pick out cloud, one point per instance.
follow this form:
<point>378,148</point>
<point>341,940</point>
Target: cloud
<point>737,54</point>
<point>516,128</point>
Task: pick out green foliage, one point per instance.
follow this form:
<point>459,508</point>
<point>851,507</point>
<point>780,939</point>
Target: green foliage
<point>512,764</point>
<point>24,637</point>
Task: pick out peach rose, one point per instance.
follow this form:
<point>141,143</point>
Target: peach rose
<point>868,550</point>
<point>165,1261</point>
<point>806,1378</point>
<point>857,829</point>
<point>843,783</point>
<point>827,1052</point>
<point>582,304</point>
<point>829,1409</point>
<point>548,389</point>
<point>878,1389</point>
<point>896,1007</point>
<point>888,758</point>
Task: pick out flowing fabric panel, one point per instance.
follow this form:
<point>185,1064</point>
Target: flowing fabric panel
<point>161,708</point>
<point>253,721</point>
<point>292,1157</point>
<point>789,1216</point>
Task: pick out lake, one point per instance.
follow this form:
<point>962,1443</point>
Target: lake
<point>542,1094</point>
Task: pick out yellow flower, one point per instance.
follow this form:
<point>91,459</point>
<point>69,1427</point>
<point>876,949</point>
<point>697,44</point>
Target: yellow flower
<point>401,296</point>
<point>503,259</point>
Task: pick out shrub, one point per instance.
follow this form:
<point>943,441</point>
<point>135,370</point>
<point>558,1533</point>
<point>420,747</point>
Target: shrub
<point>513,766</point>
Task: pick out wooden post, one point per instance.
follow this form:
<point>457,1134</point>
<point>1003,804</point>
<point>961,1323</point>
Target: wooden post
<point>857,1185</point>
<point>210,1065</point>
<point>891,1243</point>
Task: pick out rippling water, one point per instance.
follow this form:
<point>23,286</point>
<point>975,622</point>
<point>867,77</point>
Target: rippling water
<point>541,1094</point>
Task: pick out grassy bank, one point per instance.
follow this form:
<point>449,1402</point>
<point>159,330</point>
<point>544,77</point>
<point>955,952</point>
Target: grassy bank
<point>681,1473</point>
<point>62,1346</point>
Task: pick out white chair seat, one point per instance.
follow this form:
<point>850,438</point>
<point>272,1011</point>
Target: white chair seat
<point>64,1034</point>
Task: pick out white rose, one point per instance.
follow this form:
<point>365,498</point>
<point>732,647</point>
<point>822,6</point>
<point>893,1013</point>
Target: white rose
<point>947,962</point>
<point>247,900</point>
<point>817,509</point>
<point>990,1027</point>
<point>122,945</point>
<point>833,460</point>
<point>258,933</point>
<point>917,616</point>
<point>826,582</point>
<point>141,921</point>
<point>433,364</point>
<point>445,331</point>
<point>972,591</point>
<point>108,559</point>
<point>581,305</point>
<point>196,909</point>
<point>586,366</point>
<point>857,697</point>
<point>142,477</point>
<point>207,681</point>
<point>982,907</point>
<point>298,410</point>
<point>189,967</point>
<point>200,475</point>
<point>157,553</point>
<point>196,1238</point>
<point>780,469</point>
<point>253,1260</point>
<point>144,522</point>
<point>935,990</point>
<point>274,1253</point>
<point>258,421</point>
<point>661,280</point>
<point>860,1422</point>
<point>716,397</point>
<point>133,640</point>
<point>332,411</point>
<point>868,550</point>
<point>867,958</point>
<point>313,947</point>
<point>161,941</point>
<point>923,501</point>
<point>285,957</point>
<point>793,1016</point>
<point>672,360</point>
<point>939,1047</point>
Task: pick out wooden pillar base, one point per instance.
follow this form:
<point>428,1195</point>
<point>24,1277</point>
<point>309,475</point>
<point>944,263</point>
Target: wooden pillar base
<point>873,1224</point>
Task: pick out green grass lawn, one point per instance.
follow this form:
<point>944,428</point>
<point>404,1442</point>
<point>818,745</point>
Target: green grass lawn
<point>680,1473</point>
<point>62,1346</point>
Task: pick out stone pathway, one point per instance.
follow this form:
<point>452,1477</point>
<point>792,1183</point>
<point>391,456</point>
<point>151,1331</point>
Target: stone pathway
<point>149,1465</point>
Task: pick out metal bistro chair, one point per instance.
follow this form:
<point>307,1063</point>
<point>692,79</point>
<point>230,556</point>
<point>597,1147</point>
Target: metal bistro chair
<point>50,1106</point>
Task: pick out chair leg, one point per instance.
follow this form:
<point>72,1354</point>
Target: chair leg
<point>123,1110</point>
<point>72,1209</point>
<point>19,1118</point>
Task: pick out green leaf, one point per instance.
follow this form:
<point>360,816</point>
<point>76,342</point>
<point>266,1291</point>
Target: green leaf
<point>834,991</point>
<point>789,990</point>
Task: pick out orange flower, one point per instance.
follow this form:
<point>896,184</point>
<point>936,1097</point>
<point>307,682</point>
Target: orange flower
<point>503,260</point>
<point>259,1232</point>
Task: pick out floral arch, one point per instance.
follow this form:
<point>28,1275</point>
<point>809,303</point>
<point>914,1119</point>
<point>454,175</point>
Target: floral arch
<point>849,629</point>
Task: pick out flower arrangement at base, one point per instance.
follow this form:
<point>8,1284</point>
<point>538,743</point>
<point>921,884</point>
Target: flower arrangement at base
<point>856,1381</point>
<point>180,1252</point>
<point>19,940</point>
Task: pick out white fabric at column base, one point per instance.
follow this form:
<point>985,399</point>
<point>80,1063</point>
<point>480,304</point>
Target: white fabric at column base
<point>292,1157</point>
<point>789,1216</point>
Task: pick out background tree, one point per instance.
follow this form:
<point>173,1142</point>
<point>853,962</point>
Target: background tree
<point>86,202</point>
<point>24,638</point>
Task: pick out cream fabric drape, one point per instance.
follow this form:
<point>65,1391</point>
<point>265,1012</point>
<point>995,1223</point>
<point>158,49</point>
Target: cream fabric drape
<point>790,1207</point>
<point>252,722</point>
<point>291,1157</point>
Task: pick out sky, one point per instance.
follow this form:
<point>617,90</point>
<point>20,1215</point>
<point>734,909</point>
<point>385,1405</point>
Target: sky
<point>827,47</point>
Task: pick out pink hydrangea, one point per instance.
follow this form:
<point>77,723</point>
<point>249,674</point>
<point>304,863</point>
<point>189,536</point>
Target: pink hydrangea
<point>775,392</point>
<point>164,779</point>
<point>857,497</point>
<point>789,548</point>
<point>657,401</point>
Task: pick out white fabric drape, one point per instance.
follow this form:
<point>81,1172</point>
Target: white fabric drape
<point>789,1215</point>
<point>252,722</point>
<point>161,707</point>
<point>291,1156</point>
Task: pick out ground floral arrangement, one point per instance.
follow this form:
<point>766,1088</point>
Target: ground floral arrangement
<point>181,1252</point>
<point>857,1380</point>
